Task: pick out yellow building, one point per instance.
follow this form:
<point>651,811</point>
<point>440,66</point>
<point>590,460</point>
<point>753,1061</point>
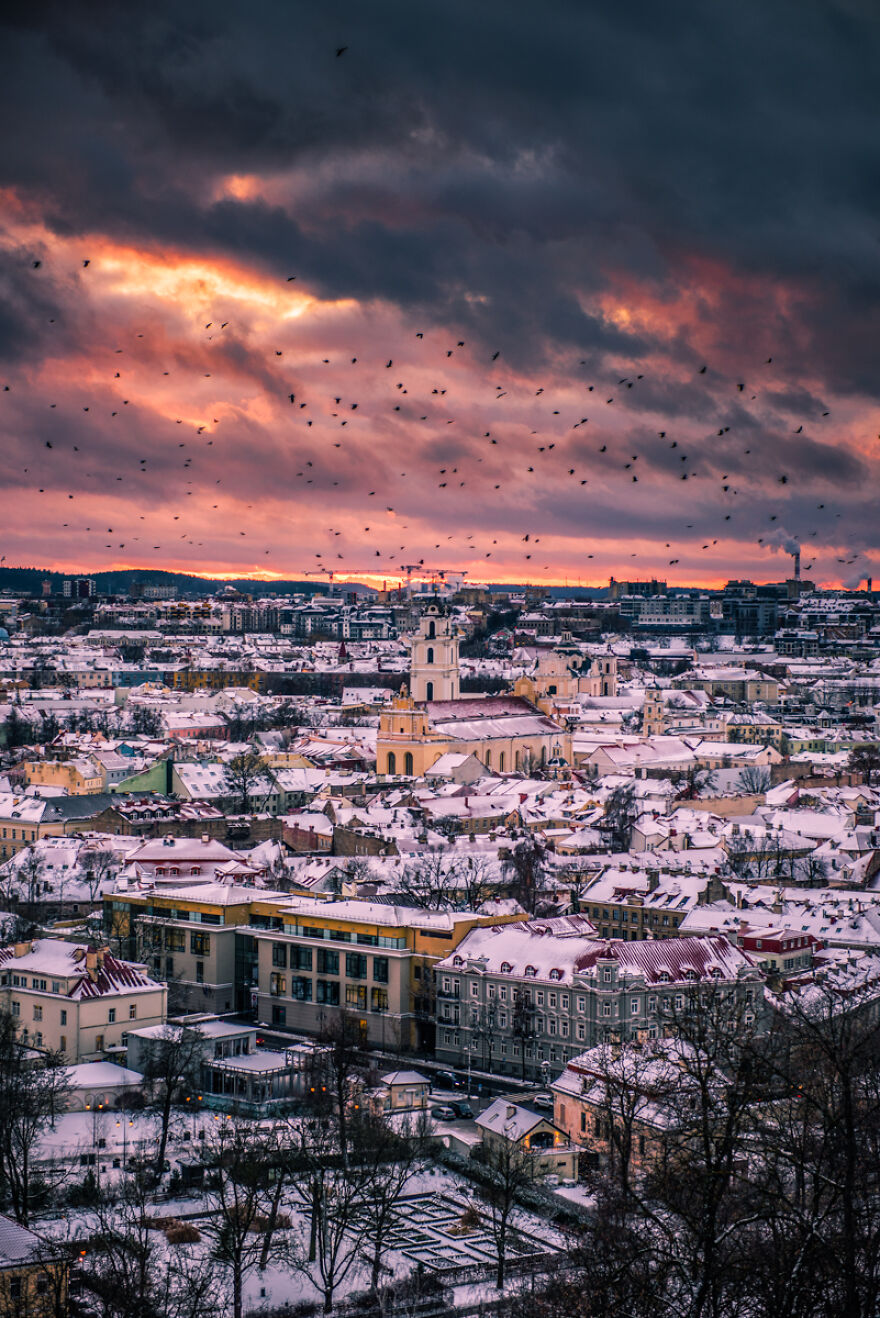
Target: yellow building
<point>313,959</point>
<point>508,733</point>
<point>33,1274</point>
<point>78,777</point>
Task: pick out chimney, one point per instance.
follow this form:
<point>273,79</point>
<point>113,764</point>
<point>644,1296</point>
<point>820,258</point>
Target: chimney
<point>511,1111</point>
<point>22,949</point>
<point>797,565</point>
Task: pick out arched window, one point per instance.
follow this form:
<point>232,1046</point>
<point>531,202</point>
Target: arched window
<point>555,974</point>
<point>501,762</point>
<point>432,630</point>
<point>543,754</point>
<point>506,967</point>
<point>429,690</point>
<point>392,762</point>
<point>430,655</point>
<point>531,972</point>
<point>518,761</point>
<point>408,764</point>
<point>488,759</point>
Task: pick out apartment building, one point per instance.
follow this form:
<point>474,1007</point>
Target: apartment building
<point>187,936</point>
<point>312,958</point>
<point>78,1000</point>
<point>527,998</point>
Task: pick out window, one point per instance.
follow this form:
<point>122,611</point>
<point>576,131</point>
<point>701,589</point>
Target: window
<point>111,1016</point>
<point>356,996</point>
<point>555,974</point>
<point>99,1043</point>
<point>38,1013</point>
<point>581,1004</point>
<point>56,986</point>
<point>475,990</point>
<point>328,962</point>
<point>490,991</point>
<point>300,958</point>
<point>634,1006</point>
<point>40,985</point>
<point>408,764</point>
<point>16,1008</point>
<point>62,1043</point>
<point>563,1002</point>
<point>279,1015</point>
<point>581,1031</point>
<point>378,999</point>
<point>38,1039</point>
<point>327,991</point>
<point>132,1012</point>
<point>606,1008</point>
<point>63,1017</point>
<point>200,944</point>
<point>429,690</point>
<point>277,985</point>
<point>429,658</point>
<point>279,955</point>
<point>502,992</point>
<point>200,972</point>
<point>392,762</point>
<point>355,965</point>
<point>301,988</point>
<point>551,999</point>
<point>506,967</point>
<point>606,976</point>
<point>679,1001</point>
<point>380,969</point>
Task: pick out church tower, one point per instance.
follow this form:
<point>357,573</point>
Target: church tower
<point>434,660</point>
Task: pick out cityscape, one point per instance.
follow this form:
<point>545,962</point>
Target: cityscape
<point>439,662</point>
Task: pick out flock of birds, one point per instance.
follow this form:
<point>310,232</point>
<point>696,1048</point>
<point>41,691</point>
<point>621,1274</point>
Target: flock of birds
<point>483,463</point>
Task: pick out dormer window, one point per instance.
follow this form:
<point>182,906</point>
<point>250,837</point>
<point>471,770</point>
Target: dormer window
<point>555,973</point>
<point>506,967</point>
<point>531,972</point>
<point>458,961</point>
<point>663,977</point>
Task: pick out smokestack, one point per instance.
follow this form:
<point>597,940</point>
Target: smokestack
<point>797,565</point>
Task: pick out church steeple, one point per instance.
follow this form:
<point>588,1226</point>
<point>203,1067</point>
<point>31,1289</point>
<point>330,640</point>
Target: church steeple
<point>434,660</point>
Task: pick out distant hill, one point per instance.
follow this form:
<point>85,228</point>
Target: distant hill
<point>118,583</point>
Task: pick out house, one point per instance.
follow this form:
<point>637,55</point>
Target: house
<point>33,1274</point>
<point>77,1000</point>
<point>628,1101</point>
<point>546,1151</point>
<point>405,1090</point>
<point>96,1085</point>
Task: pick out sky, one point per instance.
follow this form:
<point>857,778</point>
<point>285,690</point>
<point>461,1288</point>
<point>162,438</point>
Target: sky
<point>546,293</point>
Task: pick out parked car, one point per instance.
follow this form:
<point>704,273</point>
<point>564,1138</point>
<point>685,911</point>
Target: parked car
<point>543,1102</point>
<point>444,1112</point>
<point>446,1080</point>
<point>463,1109</point>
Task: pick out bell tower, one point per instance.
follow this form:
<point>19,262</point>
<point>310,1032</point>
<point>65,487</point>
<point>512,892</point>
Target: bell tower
<point>434,660</point>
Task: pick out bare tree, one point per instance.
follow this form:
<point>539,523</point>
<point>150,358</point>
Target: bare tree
<point>510,1170</point>
<point>526,867</point>
<point>172,1067</point>
<point>245,778</point>
<point>133,1273</point>
<point>32,1094</point>
<point>387,1160</point>
<point>754,780</point>
<point>239,1161</point>
<point>99,865</point>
